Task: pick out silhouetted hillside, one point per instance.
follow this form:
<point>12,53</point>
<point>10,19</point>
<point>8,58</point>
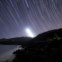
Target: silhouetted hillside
<point>46,47</point>
<point>45,38</point>
<point>30,42</point>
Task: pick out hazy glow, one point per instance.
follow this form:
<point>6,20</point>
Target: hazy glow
<point>29,32</point>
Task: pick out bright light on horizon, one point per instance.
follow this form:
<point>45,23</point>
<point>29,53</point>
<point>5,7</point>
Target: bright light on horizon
<point>29,32</point>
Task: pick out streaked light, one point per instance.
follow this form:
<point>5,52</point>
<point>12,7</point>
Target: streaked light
<point>29,32</point>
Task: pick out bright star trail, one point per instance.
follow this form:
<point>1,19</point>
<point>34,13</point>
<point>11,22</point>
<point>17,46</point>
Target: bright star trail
<point>39,15</point>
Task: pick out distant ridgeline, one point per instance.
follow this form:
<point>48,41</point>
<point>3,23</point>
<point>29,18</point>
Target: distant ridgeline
<point>46,47</point>
<point>48,36</point>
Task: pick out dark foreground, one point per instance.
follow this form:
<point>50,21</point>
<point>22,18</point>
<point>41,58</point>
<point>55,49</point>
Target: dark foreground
<point>47,53</point>
<point>46,47</point>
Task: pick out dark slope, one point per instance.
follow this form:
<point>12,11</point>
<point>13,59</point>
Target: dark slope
<point>46,47</point>
<point>45,38</point>
<point>41,39</point>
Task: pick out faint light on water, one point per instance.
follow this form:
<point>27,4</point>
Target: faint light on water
<point>29,32</point>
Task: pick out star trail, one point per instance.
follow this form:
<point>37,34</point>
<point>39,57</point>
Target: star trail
<point>38,15</point>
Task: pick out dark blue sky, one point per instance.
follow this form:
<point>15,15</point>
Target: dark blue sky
<point>37,15</point>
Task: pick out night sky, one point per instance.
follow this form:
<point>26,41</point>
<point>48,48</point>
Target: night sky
<point>37,15</point>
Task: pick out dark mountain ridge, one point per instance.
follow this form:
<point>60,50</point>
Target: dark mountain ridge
<point>46,47</point>
<point>41,39</point>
